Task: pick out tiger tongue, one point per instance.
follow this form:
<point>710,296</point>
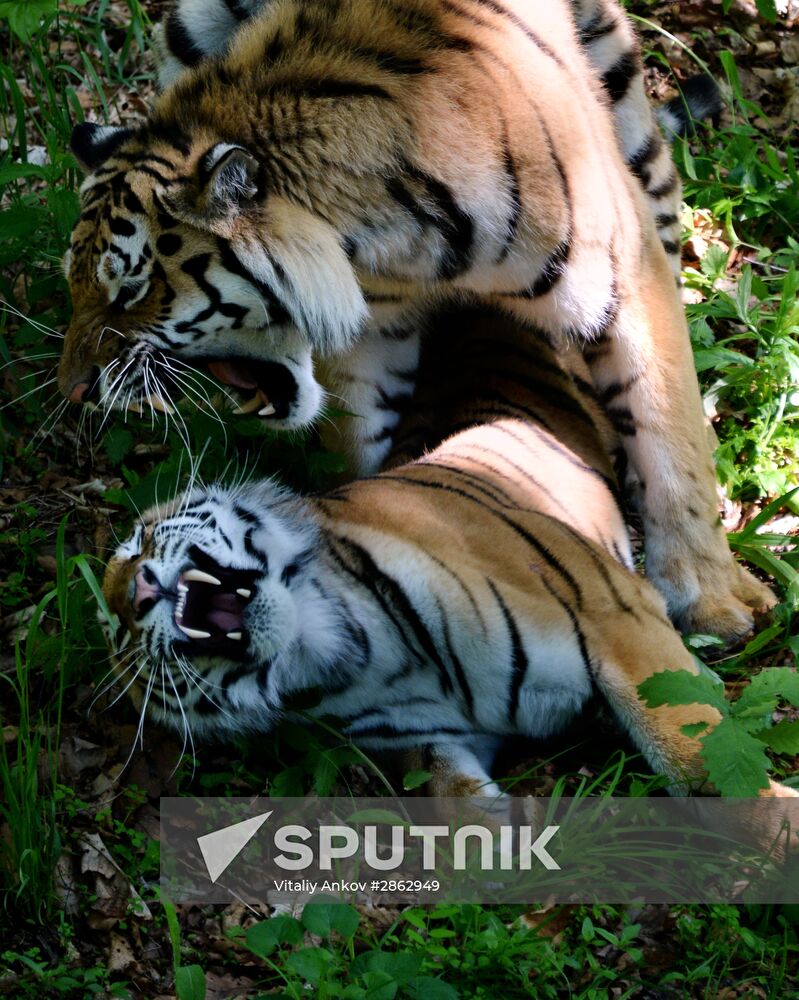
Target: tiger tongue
<point>231,374</point>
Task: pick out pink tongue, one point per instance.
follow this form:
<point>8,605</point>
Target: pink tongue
<point>226,602</point>
<point>231,374</point>
<point>225,621</point>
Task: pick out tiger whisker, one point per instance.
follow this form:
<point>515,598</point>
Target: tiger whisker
<point>198,374</point>
<point>186,727</point>
<point>40,327</point>
<point>130,655</point>
<point>30,392</point>
<point>191,394</point>
<point>139,735</point>
<point>31,357</point>
<point>48,425</point>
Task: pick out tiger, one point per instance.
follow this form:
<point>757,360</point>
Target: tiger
<point>292,206</point>
<point>482,589</point>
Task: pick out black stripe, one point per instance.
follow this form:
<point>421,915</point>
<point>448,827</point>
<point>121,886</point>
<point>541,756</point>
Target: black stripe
<point>518,660</point>
<point>595,29</point>
<point>550,273</point>
<point>667,187</point>
<point>237,10</point>
<point>337,89</point>
<point>457,666</point>
<point>618,78</point>
<point>394,600</point>
<point>120,226</point>
<point>456,226</point>
<point>662,221</point>
<point>389,61</point>
<point>529,538</point>
<point>517,22</point>
<point>180,42</point>
<point>581,643</point>
<point>645,154</point>
<point>622,419</point>
<point>608,394</point>
<point>671,246</point>
<point>277,311</point>
<point>515,195</point>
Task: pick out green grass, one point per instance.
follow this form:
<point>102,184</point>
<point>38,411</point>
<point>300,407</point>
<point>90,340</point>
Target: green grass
<point>744,323</point>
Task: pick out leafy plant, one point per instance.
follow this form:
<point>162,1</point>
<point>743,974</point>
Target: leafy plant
<point>734,751</point>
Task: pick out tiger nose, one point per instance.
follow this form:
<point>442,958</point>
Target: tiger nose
<point>146,588</point>
<point>87,390</point>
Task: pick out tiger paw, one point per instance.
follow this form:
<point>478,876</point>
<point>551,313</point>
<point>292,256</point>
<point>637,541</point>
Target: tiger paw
<point>713,599</point>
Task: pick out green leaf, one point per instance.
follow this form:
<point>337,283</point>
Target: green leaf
<point>263,938</point>
<point>427,988</point>
<point>782,738</point>
<point>323,918</point>
<point>778,681</point>
<point>190,983</point>
<point>694,728</point>
<point>399,966</point>
<point>25,18</point>
<point>767,10</point>
<point>413,779</point>
<point>379,986</point>
<point>118,443</point>
<point>736,762</point>
<point>310,964</point>
<point>681,687</point>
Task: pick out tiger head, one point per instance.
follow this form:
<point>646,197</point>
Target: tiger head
<point>181,261</point>
<point>217,611</point>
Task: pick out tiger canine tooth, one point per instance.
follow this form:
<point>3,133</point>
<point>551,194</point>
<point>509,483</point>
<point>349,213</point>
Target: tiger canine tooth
<point>267,411</point>
<point>200,576</point>
<point>134,407</point>
<point>249,406</point>
<point>158,404</point>
<point>243,592</point>
<point>182,588</point>
<point>193,633</point>
<point>234,635</point>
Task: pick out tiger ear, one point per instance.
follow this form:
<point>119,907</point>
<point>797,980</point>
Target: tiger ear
<point>227,177</point>
<point>93,144</point>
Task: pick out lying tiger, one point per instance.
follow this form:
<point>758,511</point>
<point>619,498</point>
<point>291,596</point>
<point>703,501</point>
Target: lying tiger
<point>343,164</point>
<point>481,590</point>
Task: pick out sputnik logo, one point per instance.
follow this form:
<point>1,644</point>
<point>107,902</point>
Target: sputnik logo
<point>222,847</point>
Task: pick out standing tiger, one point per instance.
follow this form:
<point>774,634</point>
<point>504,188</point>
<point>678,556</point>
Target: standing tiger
<point>482,590</point>
<point>340,166</point>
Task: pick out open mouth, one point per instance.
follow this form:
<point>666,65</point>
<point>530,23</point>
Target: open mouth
<point>210,606</point>
<point>267,387</point>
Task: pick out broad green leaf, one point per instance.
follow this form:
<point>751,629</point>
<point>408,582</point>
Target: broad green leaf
<point>681,687</point>
<point>400,966</point>
<point>778,681</point>
<point>736,762</point>
<point>694,728</point>
<point>310,963</point>
<point>263,938</point>
<point>782,738</point>
<point>190,983</point>
<point>427,988</point>
<point>25,18</point>
<point>767,10</point>
<point>413,779</point>
<point>379,986</point>
<point>323,918</point>
<point>118,443</point>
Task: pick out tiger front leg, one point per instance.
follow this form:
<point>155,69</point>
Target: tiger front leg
<point>643,369</point>
<point>623,659</point>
